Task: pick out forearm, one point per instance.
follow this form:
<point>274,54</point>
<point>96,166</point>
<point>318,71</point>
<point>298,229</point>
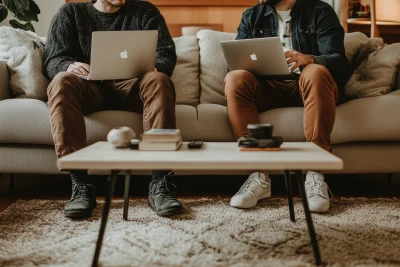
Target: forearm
<point>56,65</point>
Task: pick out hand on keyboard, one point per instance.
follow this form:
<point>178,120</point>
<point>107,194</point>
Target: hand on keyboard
<point>80,69</point>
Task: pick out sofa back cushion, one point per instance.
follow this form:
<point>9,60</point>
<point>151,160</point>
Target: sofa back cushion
<point>213,67</point>
<point>186,74</point>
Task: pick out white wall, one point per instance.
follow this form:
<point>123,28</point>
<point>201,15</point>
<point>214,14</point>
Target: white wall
<point>48,9</point>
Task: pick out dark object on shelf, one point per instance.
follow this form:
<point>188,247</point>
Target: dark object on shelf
<point>357,10</point>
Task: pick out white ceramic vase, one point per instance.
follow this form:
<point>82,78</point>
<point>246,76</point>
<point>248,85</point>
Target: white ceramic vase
<point>120,137</point>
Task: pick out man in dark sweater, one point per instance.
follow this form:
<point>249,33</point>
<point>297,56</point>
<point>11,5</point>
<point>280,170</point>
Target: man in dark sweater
<point>67,56</point>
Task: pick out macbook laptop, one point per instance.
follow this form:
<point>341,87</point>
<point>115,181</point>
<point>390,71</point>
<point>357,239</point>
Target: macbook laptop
<point>121,55</point>
<point>263,57</point>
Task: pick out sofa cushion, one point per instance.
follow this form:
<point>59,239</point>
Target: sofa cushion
<point>186,74</point>
<point>366,119</point>
<point>213,67</point>
<point>24,53</point>
<point>377,73</point>
<point>26,121</point>
<point>353,42</point>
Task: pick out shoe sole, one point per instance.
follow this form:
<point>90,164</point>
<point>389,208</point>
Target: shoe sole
<point>267,195</point>
<point>80,214</point>
<point>77,214</point>
<point>165,213</point>
<point>320,210</point>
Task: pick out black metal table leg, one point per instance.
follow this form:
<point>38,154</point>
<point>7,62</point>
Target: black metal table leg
<point>290,196</point>
<point>106,209</point>
<point>310,224</point>
<point>126,195</point>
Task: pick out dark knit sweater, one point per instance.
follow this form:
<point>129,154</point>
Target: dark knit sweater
<point>70,35</point>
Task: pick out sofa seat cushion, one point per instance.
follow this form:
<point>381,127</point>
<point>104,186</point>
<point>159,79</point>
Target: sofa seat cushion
<point>361,120</point>
<point>366,119</point>
<point>27,121</point>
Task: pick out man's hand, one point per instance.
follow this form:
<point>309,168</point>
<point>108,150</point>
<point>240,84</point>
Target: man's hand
<point>300,59</point>
<point>79,68</point>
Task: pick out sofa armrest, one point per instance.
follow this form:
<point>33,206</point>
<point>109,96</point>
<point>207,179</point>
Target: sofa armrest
<point>4,80</point>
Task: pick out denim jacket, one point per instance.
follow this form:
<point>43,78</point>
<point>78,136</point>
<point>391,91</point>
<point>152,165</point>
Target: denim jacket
<point>316,31</point>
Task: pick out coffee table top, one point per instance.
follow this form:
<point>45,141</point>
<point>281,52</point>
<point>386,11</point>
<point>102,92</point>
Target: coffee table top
<point>212,156</point>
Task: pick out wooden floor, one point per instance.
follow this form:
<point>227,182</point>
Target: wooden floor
<point>190,187</point>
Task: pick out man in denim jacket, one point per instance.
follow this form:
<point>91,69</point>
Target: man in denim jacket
<point>313,40</point>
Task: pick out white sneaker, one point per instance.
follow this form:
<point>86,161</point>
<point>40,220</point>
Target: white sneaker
<point>257,186</point>
<point>317,192</point>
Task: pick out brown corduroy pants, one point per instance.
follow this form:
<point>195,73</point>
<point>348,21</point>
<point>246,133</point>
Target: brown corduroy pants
<point>70,98</point>
<point>316,90</point>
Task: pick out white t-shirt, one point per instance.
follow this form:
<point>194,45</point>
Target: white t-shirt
<point>285,32</point>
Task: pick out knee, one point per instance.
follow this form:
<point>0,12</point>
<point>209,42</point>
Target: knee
<point>157,77</point>
<point>315,73</point>
<point>63,82</point>
<point>235,80</point>
<point>160,84</point>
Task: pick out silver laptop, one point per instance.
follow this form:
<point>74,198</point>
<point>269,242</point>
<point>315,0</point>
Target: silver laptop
<point>122,54</point>
<point>261,57</point>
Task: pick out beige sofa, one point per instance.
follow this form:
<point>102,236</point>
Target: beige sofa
<point>366,133</point>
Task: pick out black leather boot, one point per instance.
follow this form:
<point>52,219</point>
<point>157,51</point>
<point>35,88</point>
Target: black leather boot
<point>83,201</point>
<point>161,199</point>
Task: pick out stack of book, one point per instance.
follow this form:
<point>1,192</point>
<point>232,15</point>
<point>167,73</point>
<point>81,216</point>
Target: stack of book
<point>161,140</point>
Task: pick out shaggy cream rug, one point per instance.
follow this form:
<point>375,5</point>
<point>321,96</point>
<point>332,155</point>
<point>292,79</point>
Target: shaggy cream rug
<point>357,232</point>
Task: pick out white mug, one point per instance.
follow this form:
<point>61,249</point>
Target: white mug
<point>120,137</point>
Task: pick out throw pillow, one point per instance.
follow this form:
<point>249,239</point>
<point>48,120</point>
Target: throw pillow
<point>353,42</point>
<point>213,66</point>
<point>186,74</point>
<point>377,73</point>
<point>24,53</point>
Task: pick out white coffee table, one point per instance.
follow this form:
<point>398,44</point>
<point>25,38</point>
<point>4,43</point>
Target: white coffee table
<point>296,157</point>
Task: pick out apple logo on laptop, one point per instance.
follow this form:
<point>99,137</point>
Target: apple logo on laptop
<point>124,54</point>
<point>253,57</point>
